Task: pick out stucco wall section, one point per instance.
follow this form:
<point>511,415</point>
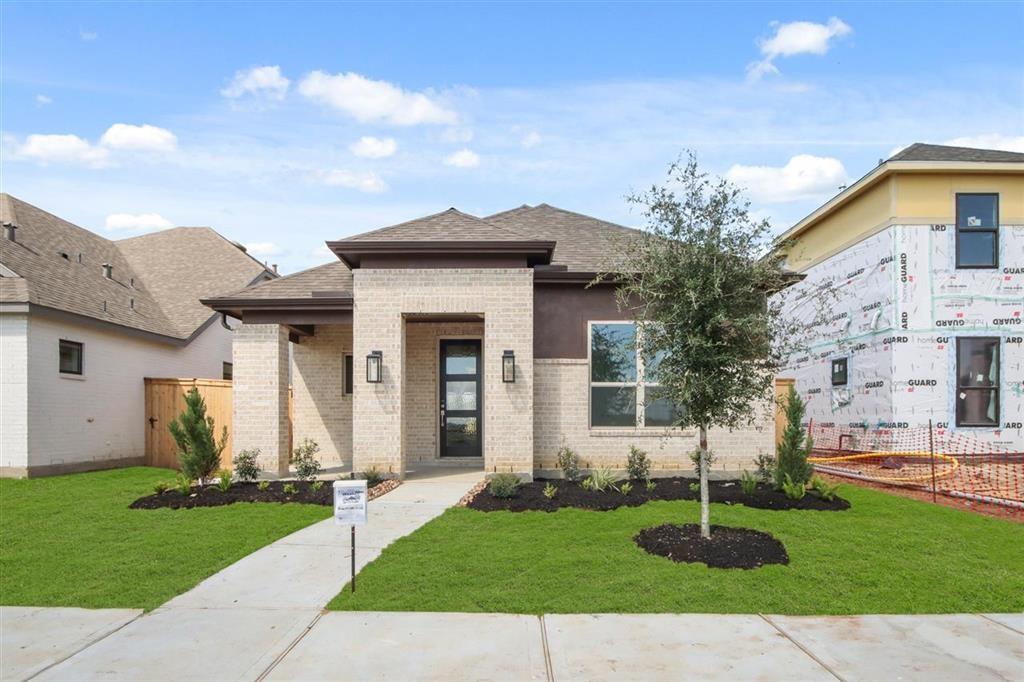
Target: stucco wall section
<point>14,393</point>
<point>260,397</point>
<point>562,417</point>
<point>505,297</point>
<point>320,409</point>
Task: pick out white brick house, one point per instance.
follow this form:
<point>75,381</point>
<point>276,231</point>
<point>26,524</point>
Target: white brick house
<point>83,320</point>
<point>402,352</point>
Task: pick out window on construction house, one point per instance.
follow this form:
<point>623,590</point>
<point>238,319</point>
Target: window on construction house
<point>227,371</point>
<point>70,357</point>
<point>840,371</point>
<point>977,230</point>
<point>977,381</point>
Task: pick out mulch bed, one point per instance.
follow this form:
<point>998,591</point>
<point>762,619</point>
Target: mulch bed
<point>211,496</point>
<point>530,497</point>
<point>727,547</point>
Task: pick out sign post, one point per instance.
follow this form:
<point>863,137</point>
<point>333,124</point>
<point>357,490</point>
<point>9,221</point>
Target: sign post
<point>350,499</point>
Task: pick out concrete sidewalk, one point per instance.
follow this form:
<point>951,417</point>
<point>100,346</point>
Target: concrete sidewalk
<point>236,623</point>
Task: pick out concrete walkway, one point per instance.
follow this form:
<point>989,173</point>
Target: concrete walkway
<point>236,623</point>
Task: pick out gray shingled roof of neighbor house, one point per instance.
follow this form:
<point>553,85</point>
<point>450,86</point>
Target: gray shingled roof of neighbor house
<point>582,244</point>
<point>938,152</point>
<point>156,279</point>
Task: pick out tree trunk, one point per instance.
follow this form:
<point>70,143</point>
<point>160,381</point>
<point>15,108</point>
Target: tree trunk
<point>705,522</point>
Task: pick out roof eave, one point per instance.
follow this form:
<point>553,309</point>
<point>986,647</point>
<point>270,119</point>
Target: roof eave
<point>351,252</point>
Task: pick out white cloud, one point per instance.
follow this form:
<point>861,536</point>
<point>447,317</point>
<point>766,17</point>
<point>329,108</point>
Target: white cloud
<point>796,37</point>
<point>531,139</point>
<point>373,147</point>
<point>1006,143</point>
<point>464,158</point>
<point>262,249</point>
<point>370,101</point>
<point>367,181</point>
<point>261,81</point>
<point>137,222</point>
<point>46,149</point>
<point>87,36</point>
<point>803,177</point>
<point>143,138</point>
<point>43,100</point>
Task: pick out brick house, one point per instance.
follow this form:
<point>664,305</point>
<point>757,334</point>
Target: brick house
<point>458,338</point>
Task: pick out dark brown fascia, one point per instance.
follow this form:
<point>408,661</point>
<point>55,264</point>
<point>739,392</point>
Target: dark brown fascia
<point>570,277</point>
<point>537,252</point>
<point>234,306</point>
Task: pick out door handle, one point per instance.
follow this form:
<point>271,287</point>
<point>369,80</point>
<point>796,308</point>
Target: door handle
<point>442,416</point>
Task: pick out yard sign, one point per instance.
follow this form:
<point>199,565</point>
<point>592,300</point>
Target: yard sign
<point>350,510</point>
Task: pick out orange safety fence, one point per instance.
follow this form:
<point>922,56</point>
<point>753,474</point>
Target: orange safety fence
<point>934,459</point>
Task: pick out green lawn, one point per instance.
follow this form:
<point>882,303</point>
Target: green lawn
<point>885,555</point>
<point>72,541</point>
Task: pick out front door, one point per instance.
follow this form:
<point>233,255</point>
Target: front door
<point>461,414</point>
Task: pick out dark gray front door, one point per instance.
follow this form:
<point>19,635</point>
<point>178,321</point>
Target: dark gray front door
<point>461,378</point>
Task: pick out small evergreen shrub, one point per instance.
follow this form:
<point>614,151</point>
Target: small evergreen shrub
<point>569,463</point>
<point>224,480</point>
<point>246,465</point>
<point>373,477</point>
<point>795,445</point>
<point>307,466</point>
<point>637,464</point>
<point>587,483</point>
<point>183,484</point>
<point>289,489</point>
<point>651,485</point>
<point>626,488</point>
<point>192,430</point>
<point>504,485</point>
<point>695,458</point>
<point>550,490</point>
<point>603,478</point>
<point>161,487</point>
<point>765,467</point>
<point>317,485</point>
<point>695,487</point>
<point>262,486</point>
<point>794,490</point>
<point>748,482</point>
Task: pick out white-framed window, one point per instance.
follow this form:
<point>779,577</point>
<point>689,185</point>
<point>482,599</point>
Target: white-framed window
<point>977,230</point>
<point>624,388</point>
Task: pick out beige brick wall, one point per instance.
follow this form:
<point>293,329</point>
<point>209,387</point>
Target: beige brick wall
<point>260,386</point>
<point>561,417</point>
<point>422,395</point>
<point>320,409</point>
<point>380,411</point>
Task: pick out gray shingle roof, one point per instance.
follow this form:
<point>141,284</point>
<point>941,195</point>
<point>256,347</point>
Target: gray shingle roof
<point>583,244</point>
<point>937,152</point>
<point>156,279</point>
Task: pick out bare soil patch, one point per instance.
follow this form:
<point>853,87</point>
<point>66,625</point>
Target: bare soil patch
<point>726,548</point>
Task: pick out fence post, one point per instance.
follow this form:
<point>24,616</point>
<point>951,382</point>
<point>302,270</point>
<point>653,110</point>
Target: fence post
<point>931,449</point>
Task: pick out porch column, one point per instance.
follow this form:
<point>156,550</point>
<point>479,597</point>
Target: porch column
<point>377,417</point>
<point>260,394</point>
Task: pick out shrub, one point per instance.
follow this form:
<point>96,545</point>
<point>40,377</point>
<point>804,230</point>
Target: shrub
<point>569,463</point>
<point>603,478</point>
<point>795,445</point>
<point>262,485</point>
<point>587,483</point>
<point>289,489</point>
<point>826,491</point>
<point>183,484</point>
<point>748,482</point>
<point>695,488</point>
<point>373,477</point>
<point>637,464</point>
<point>695,458</point>
<point>765,467</point>
<point>504,485</point>
<point>307,466</point>
<point>651,485</point>
<point>192,430</point>
<point>550,490</point>
<point>246,465</point>
<point>317,485</point>
<point>161,487</point>
<point>794,490</point>
<point>626,488</point>
<point>224,480</point>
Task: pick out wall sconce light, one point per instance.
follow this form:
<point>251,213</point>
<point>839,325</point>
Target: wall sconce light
<point>374,362</point>
<point>508,367</point>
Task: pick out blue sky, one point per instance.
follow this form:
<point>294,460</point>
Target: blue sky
<point>283,125</point>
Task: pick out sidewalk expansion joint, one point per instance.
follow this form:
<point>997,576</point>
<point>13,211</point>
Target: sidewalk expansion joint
<point>802,647</point>
<point>548,667</point>
<point>83,648</point>
<point>280,657</point>
<point>1008,627</point>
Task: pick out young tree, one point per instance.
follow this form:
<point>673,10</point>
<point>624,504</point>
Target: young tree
<point>796,445</point>
<point>198,452</point>
<point>697,280</point>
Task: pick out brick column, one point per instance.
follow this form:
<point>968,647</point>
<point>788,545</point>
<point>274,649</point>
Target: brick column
<point>260,394</point>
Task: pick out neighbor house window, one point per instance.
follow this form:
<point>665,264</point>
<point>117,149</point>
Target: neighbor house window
<point>624,390</point>
<point>977,230</point>
<point>227,371</point>
<point>348,374</point>
<point>70,357</point>
<point>840,372</point>
<point>977,381</point>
